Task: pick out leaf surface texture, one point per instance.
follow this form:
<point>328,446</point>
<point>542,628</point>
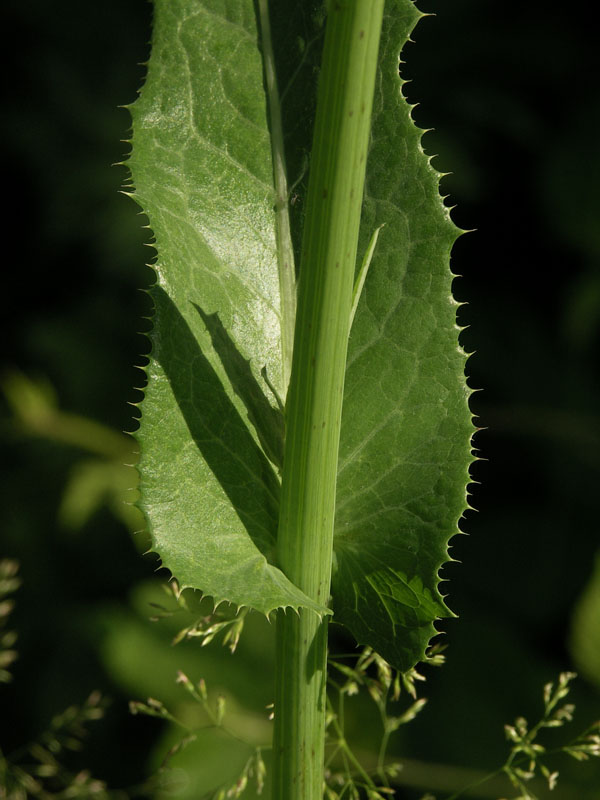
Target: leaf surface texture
<point>211,434</point>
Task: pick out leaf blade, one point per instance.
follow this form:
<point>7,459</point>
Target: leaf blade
<point>201,165</point>
<point>406,426</point>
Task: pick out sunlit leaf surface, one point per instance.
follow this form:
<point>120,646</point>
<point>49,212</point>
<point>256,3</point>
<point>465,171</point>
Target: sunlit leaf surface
<point>211,435</point>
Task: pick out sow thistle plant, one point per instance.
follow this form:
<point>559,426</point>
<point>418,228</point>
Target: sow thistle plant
<point>305,430</point>
<point>305,436</point>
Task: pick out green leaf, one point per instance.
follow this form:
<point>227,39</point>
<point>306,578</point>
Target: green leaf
<point>211,432</point>
<point>202,169</point>
<point>406,426</point>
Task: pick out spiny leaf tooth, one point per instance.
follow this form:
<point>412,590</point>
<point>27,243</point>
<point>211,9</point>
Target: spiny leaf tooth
<point>475,449</point>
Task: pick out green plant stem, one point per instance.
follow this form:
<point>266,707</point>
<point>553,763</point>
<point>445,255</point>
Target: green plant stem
<point>313,413</point>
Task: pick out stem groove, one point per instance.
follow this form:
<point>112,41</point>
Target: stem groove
<point>314,406</point>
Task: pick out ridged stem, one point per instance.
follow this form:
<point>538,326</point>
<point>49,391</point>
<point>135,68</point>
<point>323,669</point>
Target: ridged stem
<point>314,405</point>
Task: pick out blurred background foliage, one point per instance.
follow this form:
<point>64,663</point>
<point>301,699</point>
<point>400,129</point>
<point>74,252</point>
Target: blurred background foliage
<point>512,95</point>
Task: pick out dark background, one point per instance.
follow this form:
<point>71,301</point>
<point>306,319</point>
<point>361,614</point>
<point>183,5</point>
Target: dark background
<point>513,99</point>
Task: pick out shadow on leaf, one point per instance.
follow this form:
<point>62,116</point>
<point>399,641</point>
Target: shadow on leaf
<point>267,421</point>
<point>218,430</point>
